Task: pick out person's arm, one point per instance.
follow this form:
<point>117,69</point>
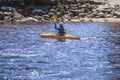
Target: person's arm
<point>55,26</point>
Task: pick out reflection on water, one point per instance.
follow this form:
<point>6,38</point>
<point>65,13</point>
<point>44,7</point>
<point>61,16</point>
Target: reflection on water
<point>26,56</point>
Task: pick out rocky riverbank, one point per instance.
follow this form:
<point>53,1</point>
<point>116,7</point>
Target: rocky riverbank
<point>81,11</point>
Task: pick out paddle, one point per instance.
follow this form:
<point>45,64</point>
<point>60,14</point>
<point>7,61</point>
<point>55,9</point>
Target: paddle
<point>54,18</point>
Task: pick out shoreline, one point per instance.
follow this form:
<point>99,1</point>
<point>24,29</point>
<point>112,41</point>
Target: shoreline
<point>65,20</point>
<point>96,20</point>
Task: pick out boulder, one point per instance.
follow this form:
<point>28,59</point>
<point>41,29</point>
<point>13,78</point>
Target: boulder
<point>117,14</point>
<point>82,15</point>
<point>53,10</point>
<point>59,14</point>
<point>31,19</point>
<point>17,15</point>
<point>50,14</point>
<point>66,16</point>
<point>45,16</point>
<point>108,15</point>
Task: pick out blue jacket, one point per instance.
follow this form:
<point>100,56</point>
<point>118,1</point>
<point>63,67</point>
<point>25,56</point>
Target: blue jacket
<point>60,30</point>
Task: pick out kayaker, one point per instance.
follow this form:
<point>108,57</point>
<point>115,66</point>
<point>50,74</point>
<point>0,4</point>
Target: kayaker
<point>60,30</point>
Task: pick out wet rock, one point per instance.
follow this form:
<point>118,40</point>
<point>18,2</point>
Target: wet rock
<point>74,12</point>
<point>17,15</point>
<point>7,18</point>
<point>71,14</point>
<point>108,15</point>
<point>1,17</point>
<point>101,15</point>
<point>66,20</point>
<point>53,10</point>
<point>96,2</point>
<point>81,15</point>
<point>44,20</point>
<point>73,5</point>
<point>116,7</point>
<point>45,16</point>
<point>31,19</point>
<point>75,20</point>
<point>107,10</point>
<point>59,14</point>
<point>80,9</point>
<point>90,20</point>
<point>82,20</point>
<point>67,16</point>
<point>83,6</point>
<point>38,17</point>
<point>50,14</point>
<point>117,13</point>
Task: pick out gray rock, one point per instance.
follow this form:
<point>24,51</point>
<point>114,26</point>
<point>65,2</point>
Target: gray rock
<point>71,14</point>
<point>82,15</point>
<point>50,14</point>
<point>45,16</point>
<point>59,14</point>
<point>17,15</point>
<point>117,14</point>
<point>53,10</point>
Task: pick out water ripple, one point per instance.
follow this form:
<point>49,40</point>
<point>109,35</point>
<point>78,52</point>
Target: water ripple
<point>24,55</point>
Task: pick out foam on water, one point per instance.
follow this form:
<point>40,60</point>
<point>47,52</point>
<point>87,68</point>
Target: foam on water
<point>18,55</point>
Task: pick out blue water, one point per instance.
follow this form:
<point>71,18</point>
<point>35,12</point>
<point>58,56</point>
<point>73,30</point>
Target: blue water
<point>24,55</point>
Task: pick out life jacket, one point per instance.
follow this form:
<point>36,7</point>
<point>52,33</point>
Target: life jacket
<point>62,33</point>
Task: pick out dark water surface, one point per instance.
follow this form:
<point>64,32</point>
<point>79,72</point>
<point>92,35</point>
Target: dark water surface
<point>26,56</point>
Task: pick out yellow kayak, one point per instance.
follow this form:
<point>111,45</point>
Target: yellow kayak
<point>59,37</point>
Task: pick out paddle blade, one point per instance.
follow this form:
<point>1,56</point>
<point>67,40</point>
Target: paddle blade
<point>54,18</point>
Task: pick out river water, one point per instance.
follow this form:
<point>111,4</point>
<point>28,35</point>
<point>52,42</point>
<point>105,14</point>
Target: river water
<point>24,55</point>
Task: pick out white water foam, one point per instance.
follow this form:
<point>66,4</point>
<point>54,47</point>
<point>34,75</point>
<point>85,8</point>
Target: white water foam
<point>18,55</point>
<point>88,38</point>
